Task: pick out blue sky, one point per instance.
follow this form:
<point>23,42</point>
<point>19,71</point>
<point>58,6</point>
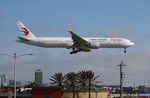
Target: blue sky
<point>96,18</point>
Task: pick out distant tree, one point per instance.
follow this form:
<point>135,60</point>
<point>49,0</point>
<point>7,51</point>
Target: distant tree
<point>57,79</point>
<point>70,81</point>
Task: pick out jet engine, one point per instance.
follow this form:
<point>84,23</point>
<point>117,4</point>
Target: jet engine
<point>94,45</point>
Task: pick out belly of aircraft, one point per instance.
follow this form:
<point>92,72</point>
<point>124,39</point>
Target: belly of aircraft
<point>111,45</point>
<point>53,44</point>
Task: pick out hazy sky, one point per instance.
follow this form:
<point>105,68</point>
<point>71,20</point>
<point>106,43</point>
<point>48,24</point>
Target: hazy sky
<point>91,18</point>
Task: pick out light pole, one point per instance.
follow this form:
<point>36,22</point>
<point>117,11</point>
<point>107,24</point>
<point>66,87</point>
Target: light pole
<point>14,56</point>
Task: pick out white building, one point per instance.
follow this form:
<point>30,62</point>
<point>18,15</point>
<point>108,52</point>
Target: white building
<point>3,80</point>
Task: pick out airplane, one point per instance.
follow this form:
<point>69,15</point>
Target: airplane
<point>75,42</point>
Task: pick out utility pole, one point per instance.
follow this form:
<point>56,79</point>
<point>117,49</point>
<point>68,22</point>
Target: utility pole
<point>122,76</point>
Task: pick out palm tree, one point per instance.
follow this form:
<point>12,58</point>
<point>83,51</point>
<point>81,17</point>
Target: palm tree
<point>71,80</point>
<point>91,79</point>
<point>57,79</point>
<point>82,80</point>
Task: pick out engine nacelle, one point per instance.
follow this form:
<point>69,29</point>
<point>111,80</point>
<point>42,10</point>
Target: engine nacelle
<point>85,49</point>
<point>94,45</point>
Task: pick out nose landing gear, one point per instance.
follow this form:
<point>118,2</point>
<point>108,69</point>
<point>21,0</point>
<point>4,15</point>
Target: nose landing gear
<point>125,50</point>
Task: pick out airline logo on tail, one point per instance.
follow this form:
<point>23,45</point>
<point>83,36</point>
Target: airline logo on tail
<point>25,30</point>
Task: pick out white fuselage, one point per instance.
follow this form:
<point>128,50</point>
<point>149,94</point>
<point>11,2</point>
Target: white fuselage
<point>75,42</point>
<point>66,42</point>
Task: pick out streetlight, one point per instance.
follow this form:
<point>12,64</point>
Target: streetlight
<point>14,56</point>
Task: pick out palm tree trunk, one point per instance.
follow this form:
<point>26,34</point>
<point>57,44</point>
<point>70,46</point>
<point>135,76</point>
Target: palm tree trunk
<point>73,88</point>
<point>89,89</point>
<point>89,92</point>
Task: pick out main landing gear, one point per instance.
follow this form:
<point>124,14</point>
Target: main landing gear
<point>75,50</point>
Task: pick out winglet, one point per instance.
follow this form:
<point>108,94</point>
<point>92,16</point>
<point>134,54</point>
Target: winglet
<point>71,32</point>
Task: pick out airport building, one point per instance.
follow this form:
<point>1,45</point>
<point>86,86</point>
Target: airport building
<point>39,77</point>
<point>11,83</point>
<point>144,91</point>
<point>46,92</point>
<point>53,92</point>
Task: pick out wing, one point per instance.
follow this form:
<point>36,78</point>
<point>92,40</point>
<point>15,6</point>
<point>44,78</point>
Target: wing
<point>77,39</point>
<point>79,42</point>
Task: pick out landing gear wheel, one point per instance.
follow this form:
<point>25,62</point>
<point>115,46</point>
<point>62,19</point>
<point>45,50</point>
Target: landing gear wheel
<point>125,50</point>
<point>75,51</point>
